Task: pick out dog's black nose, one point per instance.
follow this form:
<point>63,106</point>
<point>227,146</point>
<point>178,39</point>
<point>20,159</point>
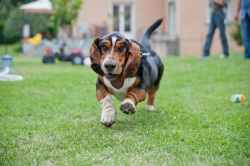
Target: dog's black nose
<point>110,66</point>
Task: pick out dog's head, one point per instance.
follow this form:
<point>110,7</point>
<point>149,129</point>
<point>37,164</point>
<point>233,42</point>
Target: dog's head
<point>115,57</point>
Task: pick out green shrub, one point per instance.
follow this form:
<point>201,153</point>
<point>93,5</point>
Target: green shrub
<point>39,23</point>
<point>236,34</point>
<point>1,31</point>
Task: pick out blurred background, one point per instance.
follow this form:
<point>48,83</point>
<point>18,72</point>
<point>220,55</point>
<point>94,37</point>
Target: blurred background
<point>33,26</point>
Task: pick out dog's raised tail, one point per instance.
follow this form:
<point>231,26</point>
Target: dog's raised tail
<point>146,36</point>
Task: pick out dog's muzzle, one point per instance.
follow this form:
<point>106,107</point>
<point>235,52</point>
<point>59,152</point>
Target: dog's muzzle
<point>109,66</point>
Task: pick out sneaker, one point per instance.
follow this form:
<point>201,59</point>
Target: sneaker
<point>223,56</point>
<point>202,57</point>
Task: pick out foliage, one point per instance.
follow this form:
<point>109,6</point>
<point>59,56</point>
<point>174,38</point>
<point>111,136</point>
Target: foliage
<point>6,6</point>
<point>52,28</point>
<point>38,23</point>
<point>12,27</point>
<point>65,11</point>
<point>1,31</point>
<point>52,117</point>
<point>236,34</point>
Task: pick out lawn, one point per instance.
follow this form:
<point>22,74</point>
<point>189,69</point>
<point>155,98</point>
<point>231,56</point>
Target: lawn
<point>52,117</point>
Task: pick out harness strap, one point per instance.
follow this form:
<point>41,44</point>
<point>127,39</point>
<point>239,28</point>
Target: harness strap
<point>145,53</point>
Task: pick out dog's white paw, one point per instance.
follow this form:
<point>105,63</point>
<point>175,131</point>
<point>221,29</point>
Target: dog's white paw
<point>150,107</point>
<point>128,107</point>
<point>108,117</point>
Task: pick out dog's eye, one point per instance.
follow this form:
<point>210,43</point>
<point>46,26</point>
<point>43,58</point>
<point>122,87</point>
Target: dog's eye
<point>121,49</point>
<point>104,48</point>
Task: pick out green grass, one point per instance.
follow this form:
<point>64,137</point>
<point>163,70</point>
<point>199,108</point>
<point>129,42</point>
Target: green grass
<point>52,117</point>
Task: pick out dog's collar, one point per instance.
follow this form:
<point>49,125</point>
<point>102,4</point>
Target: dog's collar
<point>145,53</point>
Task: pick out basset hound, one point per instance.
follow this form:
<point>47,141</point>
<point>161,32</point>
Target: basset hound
<point>127,69</point>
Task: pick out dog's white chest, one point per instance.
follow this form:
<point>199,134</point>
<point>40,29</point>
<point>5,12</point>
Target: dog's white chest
<point>120,93</point>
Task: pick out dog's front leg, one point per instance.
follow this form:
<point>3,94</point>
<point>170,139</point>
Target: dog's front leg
<point>133,97</point>
<point>106,102</point>
<point>108,111</point>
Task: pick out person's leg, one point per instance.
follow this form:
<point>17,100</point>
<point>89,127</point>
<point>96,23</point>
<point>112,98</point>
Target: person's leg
<point>245,33</point>
<point>209,37</point>
<point>219,21</point>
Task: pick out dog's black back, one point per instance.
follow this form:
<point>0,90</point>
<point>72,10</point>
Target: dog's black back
<point>151,67</point>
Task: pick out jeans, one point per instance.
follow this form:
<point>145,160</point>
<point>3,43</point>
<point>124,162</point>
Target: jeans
<point>217,21</point>
<point>245,33</point>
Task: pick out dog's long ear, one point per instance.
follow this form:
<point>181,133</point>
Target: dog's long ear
<point>95,57</point>
<point>131,66</point>
<point>133,60</point>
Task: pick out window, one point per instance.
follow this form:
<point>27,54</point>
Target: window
<point>227,9</point>
<point>123,19</point>
<point>116,18</point>
<point>127,15</point>
<point>171,18</point>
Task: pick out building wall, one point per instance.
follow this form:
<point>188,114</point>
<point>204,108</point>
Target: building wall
<point>191,23</point>
<point>147,12</point>
<point>192,27</point>
<point>98,13</point>
<point>92,13</point>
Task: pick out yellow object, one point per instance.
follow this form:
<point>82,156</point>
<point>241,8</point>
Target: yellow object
<point>242,97</point>
<point>36,39</point>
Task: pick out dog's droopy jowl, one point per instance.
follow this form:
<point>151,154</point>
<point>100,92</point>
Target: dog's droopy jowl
<point>127,69</point>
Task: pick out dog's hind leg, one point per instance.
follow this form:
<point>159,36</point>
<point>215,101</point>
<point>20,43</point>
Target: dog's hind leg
<point>152,90</point>
<point>151,97</point>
